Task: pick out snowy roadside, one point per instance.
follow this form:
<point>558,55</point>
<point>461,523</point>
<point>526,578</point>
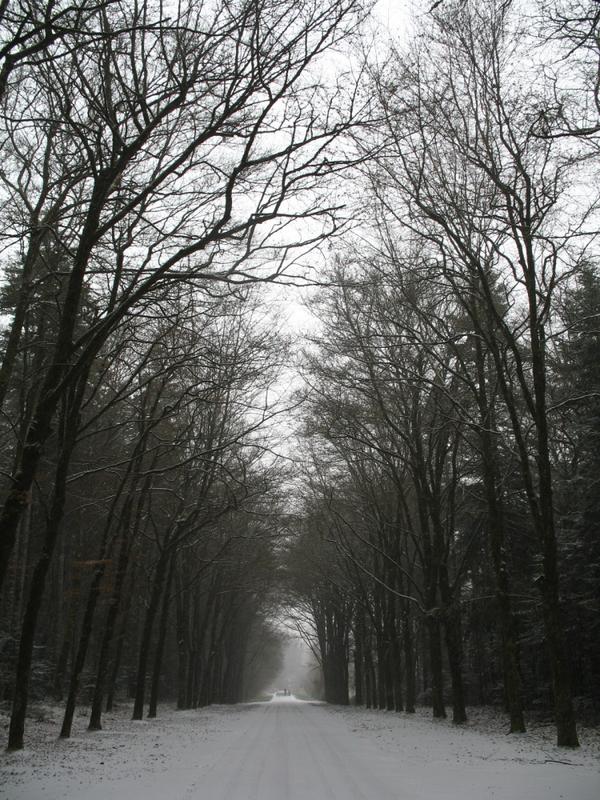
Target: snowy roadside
<point>483,737</point>
<point>480,760</point>
<point>147,759</point>
<point>171,756</point>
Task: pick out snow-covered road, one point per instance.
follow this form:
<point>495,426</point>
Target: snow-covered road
<point>289,750</point>
<point>297,751</point>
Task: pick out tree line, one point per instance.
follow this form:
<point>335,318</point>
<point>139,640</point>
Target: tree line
<point>449,541</point>
<point>160,164</point>
<point>158,161</point>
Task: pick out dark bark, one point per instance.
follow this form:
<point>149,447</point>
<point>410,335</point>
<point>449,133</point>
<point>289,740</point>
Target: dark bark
<point>436,667</point>
<point>117,656</point>
<point>381,671</point>
<point>455,660</point>
<point>182,621</point>
<point>69,426</point>
<point>40,428</point>
<point>160,643</point>
<point>496,535</point>
<point>95,723</point>
<point>146,639</point>
<point>409,662</point>
<point>128,539</point>
<point>566,729</point>
<point>397,673</point>
<point>61,668</point>
<point>84,640</point>
<point>369,679</point>
<point>454,648</point>
<point>358,663</point>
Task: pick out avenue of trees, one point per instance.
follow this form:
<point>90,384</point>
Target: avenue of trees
<point>453,384</point>
<point>161,163</point>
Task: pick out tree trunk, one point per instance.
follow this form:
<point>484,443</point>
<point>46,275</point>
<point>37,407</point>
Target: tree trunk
<point>95,723</point>
<point>160,644</point>
<point>496,535</point>
<point>40,428</point>
<point>38,580</point>
<point>455,659</point>
<point>140,684</point>
<point>358,665</point>
<point>61,668</point>
<point>84,641</point>
<point>436,667</point>
<point>409,662</point>
<point>116,662</point>
<point>14,337</point>
<point>21,688</point>
<point>396,670</point>
<point>381,672</point>
<point>182,623</point>
<point>369,678</point>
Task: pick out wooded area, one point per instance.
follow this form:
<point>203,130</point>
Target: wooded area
<point>435,533</point>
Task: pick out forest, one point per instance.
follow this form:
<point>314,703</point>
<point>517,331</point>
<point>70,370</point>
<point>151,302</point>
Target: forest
<point>409,476</point>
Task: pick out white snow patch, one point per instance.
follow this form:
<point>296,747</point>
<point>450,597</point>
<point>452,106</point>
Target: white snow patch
<point>480,760</point>
<point>290,750</point>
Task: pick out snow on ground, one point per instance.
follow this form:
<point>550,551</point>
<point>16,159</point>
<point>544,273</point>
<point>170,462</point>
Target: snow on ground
<point>480,760</point>
<point>290,750</point>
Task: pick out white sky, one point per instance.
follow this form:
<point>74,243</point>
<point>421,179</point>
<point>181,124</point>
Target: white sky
<point>394,13</point>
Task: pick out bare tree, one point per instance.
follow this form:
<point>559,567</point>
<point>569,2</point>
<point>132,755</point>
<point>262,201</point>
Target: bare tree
<point>570,30</point>
<point>30,30</point>
<point>484,191</point>
<point>214,111</point>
